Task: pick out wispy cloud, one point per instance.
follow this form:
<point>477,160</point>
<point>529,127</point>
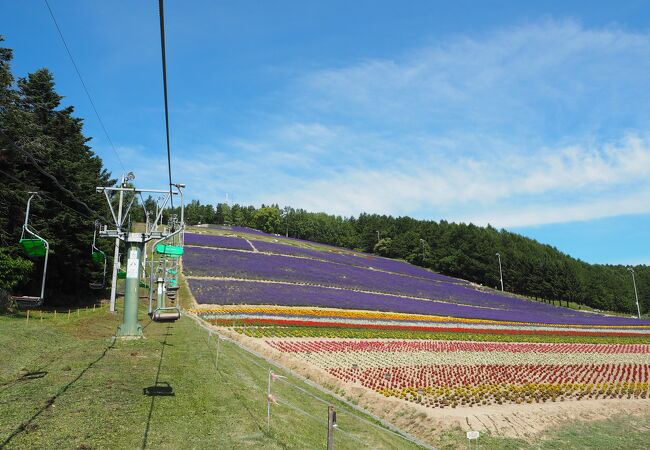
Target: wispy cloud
<point>529,125</point>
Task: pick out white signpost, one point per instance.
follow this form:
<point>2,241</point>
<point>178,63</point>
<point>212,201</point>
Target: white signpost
<point>473,436</point>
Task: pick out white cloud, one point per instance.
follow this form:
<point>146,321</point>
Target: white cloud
<point>529,125</point>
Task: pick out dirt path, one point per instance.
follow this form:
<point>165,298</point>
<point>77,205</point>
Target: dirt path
<point>255,250</point>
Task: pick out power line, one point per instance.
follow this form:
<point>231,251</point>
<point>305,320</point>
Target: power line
<point>92,103</point>
<point>161,13</point>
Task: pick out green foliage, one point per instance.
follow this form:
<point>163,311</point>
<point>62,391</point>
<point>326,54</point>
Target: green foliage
<point>14,270</point>
<point>291,331</point>
<point>267,219</point>
<point>383,247</point>
<point>43,148</point>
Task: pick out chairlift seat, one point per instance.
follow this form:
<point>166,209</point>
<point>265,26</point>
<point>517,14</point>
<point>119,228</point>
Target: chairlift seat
<point>121,274</point>
<point>98,257</point>
<point>27,302</point>
<point>33,247</point>
<point>173,251</point>
<point>166,315</point>
<point>172,271</point>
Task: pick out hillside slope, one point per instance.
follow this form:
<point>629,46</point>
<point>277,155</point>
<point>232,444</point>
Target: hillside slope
<point>240,267</point>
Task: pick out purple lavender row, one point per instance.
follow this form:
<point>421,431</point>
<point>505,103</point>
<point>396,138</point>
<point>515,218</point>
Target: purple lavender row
<point>208,262</point>
<point>208,240</point>
<point>215,262</point>
<point>254,293</point>
<point>363,260</point>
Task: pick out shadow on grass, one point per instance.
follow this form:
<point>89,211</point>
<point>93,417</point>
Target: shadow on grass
<point>25,377</point>
<point>50,401</point>
<point>159,388</point>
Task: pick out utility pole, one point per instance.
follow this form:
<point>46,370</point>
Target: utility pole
<point>636,295</point>
<point>422,242</point>
<point>500,271</point>
<point>116,255</point>
<point>377,236</point>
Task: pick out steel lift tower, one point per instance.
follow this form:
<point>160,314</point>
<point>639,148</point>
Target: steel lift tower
<point>135,243</point>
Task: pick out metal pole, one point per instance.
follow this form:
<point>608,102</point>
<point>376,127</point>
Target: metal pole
<point>636,295</point>
<point>268,405</point>
<point>160,300</point>
<point>47,253</point>
<point>116,257</point>
<point>331,414</point>
<point>130,326</point>
<point>500,271</point>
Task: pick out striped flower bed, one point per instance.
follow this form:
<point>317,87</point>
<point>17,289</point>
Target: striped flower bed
<point>451,374</point>
<point>315,317</point>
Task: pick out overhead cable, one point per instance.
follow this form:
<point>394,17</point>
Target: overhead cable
<point>92,103</point>
<point>161,13</point>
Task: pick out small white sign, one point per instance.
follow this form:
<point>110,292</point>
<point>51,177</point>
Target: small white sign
<point>132,264</point>
<point>472,435</point>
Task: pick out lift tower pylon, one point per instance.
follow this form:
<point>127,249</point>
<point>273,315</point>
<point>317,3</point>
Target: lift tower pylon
<point>135,248</point>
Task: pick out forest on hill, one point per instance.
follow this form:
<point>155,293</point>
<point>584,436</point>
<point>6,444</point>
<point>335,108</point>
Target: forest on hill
<point>43,148</point>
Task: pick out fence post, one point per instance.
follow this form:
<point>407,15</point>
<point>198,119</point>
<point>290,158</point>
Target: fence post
<point>216,363</point>
<point>268,405</point>
<point>27,321</point>
<point>331,420</point>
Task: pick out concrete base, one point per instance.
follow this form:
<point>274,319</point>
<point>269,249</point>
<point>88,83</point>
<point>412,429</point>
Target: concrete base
<point>128,332</point>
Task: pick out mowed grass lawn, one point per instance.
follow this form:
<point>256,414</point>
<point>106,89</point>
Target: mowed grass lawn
<point>66,383</point>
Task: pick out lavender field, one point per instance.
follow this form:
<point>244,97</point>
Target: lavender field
<point>227,292</point>
<point>309,280</point>
<point>332,255</point>
<point>249,265</point>
<point>363,260</point>
<point>208,240</point>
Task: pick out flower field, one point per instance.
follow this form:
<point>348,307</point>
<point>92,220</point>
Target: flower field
<point>450,374</point>
<point>412,334</point>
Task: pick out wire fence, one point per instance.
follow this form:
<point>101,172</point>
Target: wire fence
<point>272,386</point>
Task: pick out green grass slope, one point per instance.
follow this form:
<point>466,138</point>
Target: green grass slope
<point>65,383</point>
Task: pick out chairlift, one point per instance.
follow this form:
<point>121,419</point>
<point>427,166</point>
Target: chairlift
<point>98,257</point>
<point>173,251</point>
<point>35,247</point>
<point>162,313</point>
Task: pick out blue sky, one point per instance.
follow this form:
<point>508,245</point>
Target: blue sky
<point>535,118</point>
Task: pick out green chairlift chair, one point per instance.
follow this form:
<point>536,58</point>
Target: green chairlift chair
<point>98,257</point>
<point>35,247</point>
